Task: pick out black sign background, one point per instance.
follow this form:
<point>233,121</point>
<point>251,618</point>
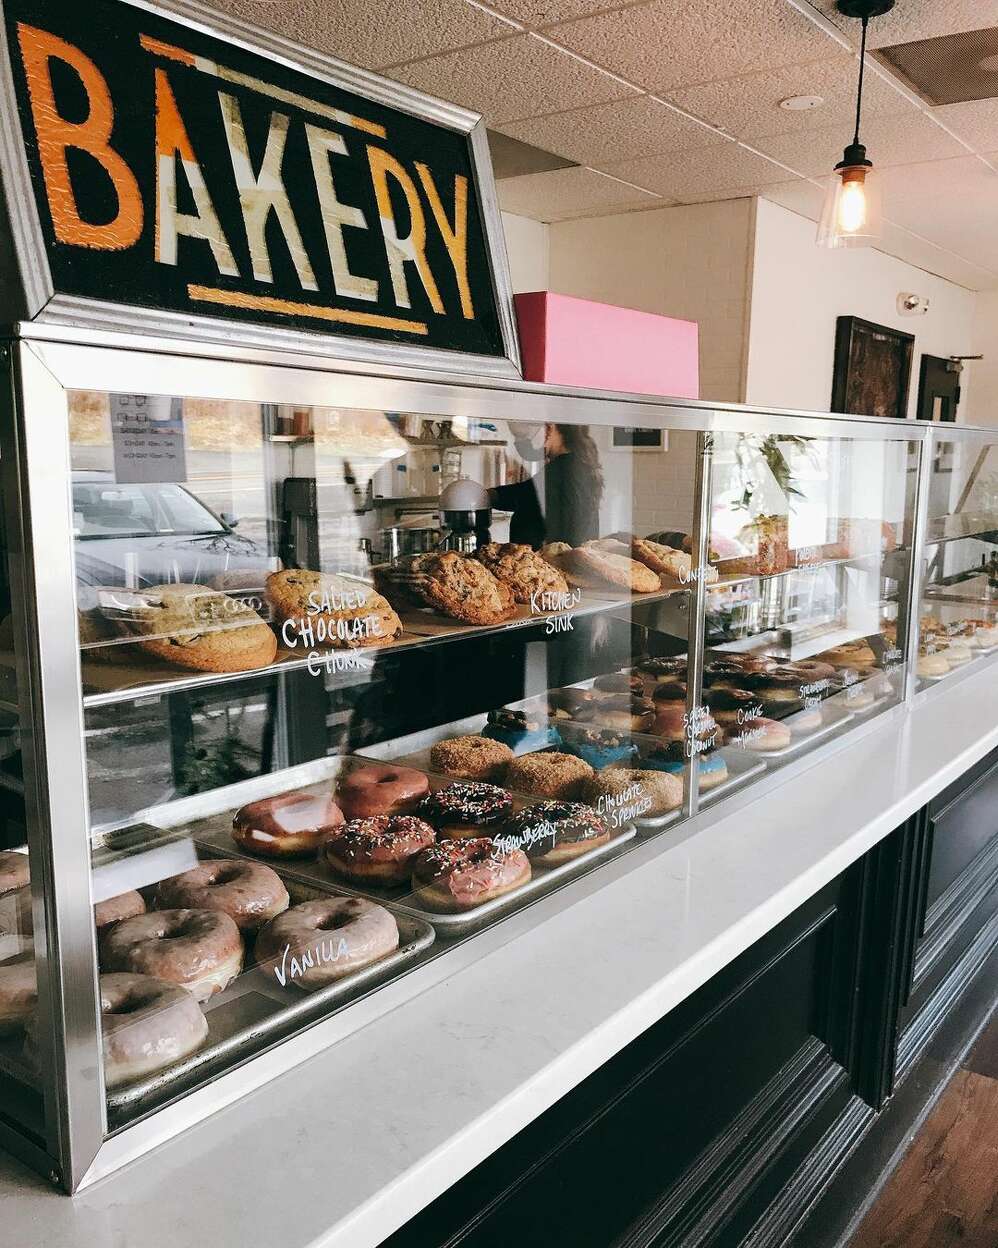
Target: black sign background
<point>108,33</point>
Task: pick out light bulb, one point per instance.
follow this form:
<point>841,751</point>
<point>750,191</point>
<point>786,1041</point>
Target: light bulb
<point>852,207</point>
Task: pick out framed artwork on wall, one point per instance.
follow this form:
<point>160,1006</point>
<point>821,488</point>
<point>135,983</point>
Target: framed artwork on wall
<point>872,370</point>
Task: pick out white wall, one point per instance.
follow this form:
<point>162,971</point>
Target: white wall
<point>983,406</point>
<point>799,289</point>
<point>528,252</point>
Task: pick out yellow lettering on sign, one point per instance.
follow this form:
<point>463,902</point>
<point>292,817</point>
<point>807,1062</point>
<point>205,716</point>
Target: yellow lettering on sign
<point>413,246</point>
<point>455,237</point>
<point>56,136</point>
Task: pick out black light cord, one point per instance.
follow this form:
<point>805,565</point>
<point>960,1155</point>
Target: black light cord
<point>859,91</point>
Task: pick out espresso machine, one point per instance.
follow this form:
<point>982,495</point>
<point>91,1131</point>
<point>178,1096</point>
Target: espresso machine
<point>465,516</point>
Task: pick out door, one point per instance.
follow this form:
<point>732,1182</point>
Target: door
<point>938,388</point>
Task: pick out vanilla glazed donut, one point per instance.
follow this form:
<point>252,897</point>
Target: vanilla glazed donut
<point>146,1025</point>
<point>379,850</point>
<point>318,942</point>
<point>553,832</point>
<point>14,872</point>
<point>114,909</point>
<point>18,996</point>
<point>460,875</point>
<point>250,893</point>
<point>289,825</point>
<point>468,808</point>
<point>380,789</point>
<point>201,950</point>
<point>15,895</point>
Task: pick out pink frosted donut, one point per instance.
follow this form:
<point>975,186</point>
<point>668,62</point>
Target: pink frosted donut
<point>199,949</point>
<point>248,892</point>
<point>318,942</point>
<point>146,1025</point>
<point>114,909</point>
<point>380,789</point>
<point>288,825</point>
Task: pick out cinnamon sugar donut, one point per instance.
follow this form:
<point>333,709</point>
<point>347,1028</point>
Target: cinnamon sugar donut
<point>288,825</point>
<point>114,909</point>
<point>200,950</point>
<point>548,775</point>
<point>379,850</point>
<point>460,875</point>
<point>146,1025</point>
<point>248,892</point>
<point>18,996</point>
<point>380,789</point>
<point>318,942</point>
<point>471,758</point>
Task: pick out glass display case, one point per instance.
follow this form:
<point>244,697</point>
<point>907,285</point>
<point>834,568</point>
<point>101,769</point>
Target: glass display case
<point>314,678</point>
<point>958,608</point>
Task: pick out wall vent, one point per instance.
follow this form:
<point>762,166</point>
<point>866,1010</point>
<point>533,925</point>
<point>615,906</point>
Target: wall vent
<point>950,69</point>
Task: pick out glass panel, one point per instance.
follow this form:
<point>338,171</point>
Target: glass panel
<point>959,608</point>
<point>293,620</point>
<point>808,541</point>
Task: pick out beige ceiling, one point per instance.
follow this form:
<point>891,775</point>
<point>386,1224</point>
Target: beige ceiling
<point>676,101</point>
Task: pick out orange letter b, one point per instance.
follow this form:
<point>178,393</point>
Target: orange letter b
<point>92,136</point>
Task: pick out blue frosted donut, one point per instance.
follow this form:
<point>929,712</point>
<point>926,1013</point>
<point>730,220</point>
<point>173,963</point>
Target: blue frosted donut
<point>522,733</point>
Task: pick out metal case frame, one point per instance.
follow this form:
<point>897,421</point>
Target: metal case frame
<point>44,362</point>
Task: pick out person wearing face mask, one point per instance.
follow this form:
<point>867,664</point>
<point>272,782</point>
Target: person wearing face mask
<point>561,502</point>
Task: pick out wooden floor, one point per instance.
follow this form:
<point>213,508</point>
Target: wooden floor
<point>944,1193</point>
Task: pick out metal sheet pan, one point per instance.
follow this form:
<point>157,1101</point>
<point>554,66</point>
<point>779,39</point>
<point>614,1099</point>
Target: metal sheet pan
<point>255,1011</point>
<point>805,740</point>
<point>742,766</point>
<point>400,901</point>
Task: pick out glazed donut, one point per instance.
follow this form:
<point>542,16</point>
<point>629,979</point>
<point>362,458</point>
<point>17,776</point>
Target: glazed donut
<point>114,909</point>
<point>671,724</point>
<point>14,872</point>
<point>622,711</point>
<point>460,875</point>
<point>378,850</point>
<point>381,789</point>
<point>319,942</point>
<point>548,775</point>
<point>199,949</point>
<point>763,735</point>
<point>248,892</point>
<point>551,833</point>
<point>18,996</point>
<point>471,758</point>
<point>619,682</point>
<point>664,668</point>
<point>625,793</point>
<point>725,673</point>
<point>932,665</point>
<point>723,699</point>
<point>850,654</point>
<point>288,825</point>
<point>811,671</point>
<point>669,691</point>
<point>467,807</point>
<point>146,1025</point>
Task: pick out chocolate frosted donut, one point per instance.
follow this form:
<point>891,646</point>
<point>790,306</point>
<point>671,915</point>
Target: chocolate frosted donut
<point>619,682</point>
<point>623,711</point>
<point>723,699</point>
<point>146,1025</point>
<point>18,996</point>
<point>459,875</point>
<point>568,703</point>
<point>467,808</point>
<point>550,833</point>
<point>724,672</point>
<point>248,892</point>
<point>664,668</point>
<point>319,942</point>
<point>471,758</point>
<point>378,850</point>
<point>669,691</point>
<point>114,909</point>
<point>199,949</point>
<point>380,789</point>
<point>288,825</point>
<point>548,775</point>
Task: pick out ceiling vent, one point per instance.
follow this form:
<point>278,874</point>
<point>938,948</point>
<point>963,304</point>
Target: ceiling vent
<point>951,69</point>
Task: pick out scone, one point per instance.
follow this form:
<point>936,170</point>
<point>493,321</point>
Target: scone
<point>614,569</point>
<point>195,627</point>
<point>457,586</point>
<point>674,565</point>
<point>522,569</point>
<point>347,613</point>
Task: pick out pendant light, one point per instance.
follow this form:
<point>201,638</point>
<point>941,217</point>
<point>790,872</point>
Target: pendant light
<point>852,213</point>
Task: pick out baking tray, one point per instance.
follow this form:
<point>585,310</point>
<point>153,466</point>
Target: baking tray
<point>804,740</point>
<point>255,1011</point>
<point>399,900</point>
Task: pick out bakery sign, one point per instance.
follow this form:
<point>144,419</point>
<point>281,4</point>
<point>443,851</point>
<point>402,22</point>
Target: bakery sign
<point>161,167</point>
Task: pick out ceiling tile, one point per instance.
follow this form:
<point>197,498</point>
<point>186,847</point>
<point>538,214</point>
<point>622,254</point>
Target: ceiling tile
<point>976,122</point>
<point>636,126</point>
<point>566,193</point>
<point>537,13</point>
<point>749,105</point>
<point>799,196</point>
<point>515,78</point>
<point>674,43</point>
<point>889,141</point>
<point>700,172</point>
<point>916,19</point>
<point>371,33</point>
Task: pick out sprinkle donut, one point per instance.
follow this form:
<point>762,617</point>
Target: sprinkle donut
<point>466,808</point>
<point>460,875</point>
<point>379,850</point>
<point>553,832</point>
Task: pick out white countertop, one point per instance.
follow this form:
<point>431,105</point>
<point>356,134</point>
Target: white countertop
<point>345,1148</point>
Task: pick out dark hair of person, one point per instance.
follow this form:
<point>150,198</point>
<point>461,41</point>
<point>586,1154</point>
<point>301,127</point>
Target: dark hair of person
<point>579,443</point>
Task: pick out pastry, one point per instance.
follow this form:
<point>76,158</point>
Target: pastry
<point>195,627</point>
<point>467,808</point>
<point>378,850</point>
<point>522,732</point>
<point>570,703</point>
<point>619,682</point>
<point>200,950</point>
<point>471,758</point>
<point>456,586</point>
<point>553,832</point>
<point>672,759</point>
<point>250,893</point>
<point>380,789</point>
<point>548,775</point>
<point>460,875</point>
<point>856,654</point>
<point>934,664</point>
<point>319,942</point>
<point>531,578</point>
<point>622,794</point>
<point>114,909</point>
<point>146,1025</point>
<point>287,825</point>
<point>672,565</point>
<point>317,609</point>
<point>622,711</point>
<point>599,747</point>
<point>619,571</point>
<point>661,668</point>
